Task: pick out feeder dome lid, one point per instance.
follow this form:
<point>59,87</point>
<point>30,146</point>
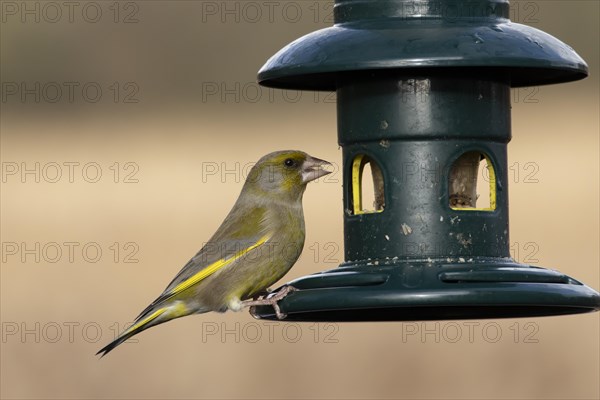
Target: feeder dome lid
<point>398,35</point>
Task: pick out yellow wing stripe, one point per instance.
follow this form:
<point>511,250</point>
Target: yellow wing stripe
<point>146,320</point>
<point>214,267</point>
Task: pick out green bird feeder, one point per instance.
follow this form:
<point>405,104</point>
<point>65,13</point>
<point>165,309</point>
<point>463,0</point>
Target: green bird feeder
<point>423,100</point>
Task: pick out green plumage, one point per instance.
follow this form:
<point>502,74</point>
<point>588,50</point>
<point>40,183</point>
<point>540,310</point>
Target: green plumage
<point>258,242</point>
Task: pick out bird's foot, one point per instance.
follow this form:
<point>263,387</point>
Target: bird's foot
<point>270,300</point>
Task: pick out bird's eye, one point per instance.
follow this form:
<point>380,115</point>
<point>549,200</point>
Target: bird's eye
<point>289,162</point>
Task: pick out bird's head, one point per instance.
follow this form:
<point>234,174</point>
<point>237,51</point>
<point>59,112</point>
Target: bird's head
<point>285,173</point>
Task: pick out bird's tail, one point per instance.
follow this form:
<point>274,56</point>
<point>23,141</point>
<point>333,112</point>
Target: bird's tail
<point>150,317</point>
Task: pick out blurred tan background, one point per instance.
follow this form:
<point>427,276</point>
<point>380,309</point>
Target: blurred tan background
<point>125,187</point>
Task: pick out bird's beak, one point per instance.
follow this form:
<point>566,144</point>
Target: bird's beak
<point>314,168</point>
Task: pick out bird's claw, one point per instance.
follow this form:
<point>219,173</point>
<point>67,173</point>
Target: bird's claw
<point>272,299</point>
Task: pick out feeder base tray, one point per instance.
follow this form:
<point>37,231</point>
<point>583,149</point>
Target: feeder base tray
<point>433,290</point>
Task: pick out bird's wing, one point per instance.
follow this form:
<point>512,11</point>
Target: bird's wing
<point>241,232</point>
<point>198,268</point>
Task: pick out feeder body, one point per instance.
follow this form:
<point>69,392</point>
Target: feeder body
<point>415,128</point>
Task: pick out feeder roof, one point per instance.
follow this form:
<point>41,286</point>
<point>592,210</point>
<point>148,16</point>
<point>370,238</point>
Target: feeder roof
<point>529,56</point>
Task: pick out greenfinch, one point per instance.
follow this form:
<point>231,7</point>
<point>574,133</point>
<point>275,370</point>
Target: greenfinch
<point>258,242</point>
